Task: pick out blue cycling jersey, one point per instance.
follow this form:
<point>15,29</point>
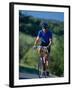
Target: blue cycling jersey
<point>45,36</point>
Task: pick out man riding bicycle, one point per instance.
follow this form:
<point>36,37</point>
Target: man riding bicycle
<point>45,39</point>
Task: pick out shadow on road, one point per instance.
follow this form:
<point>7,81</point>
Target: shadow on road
<point>27,73</point>
<point>28,70</point>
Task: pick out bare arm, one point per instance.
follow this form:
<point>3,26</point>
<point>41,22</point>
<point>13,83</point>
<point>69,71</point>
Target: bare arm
<point>36,41</point>
<point>50,42</point>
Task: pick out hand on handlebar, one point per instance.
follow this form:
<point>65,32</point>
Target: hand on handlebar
<point>48,46</point>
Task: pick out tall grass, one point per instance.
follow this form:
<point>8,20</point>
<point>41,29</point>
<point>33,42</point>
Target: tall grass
<point>29,56</point>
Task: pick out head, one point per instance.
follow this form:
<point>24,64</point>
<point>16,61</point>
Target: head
<point>45,27</point>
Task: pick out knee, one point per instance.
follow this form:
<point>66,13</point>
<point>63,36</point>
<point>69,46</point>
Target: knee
<point>40,52</point>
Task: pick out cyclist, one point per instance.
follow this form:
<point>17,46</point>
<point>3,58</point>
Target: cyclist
<point>45,38</point>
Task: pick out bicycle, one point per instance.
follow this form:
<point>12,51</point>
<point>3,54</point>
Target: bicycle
<point>42,70</point>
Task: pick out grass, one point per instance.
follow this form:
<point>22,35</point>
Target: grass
<point>30,56</point>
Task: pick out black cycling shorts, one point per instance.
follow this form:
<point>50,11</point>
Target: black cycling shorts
<point>46,44</point>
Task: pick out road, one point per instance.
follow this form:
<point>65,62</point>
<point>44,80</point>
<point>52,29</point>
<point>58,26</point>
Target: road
<point>28,73</point>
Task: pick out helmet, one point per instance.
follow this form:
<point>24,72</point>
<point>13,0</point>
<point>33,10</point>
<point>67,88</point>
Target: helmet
<point>44,25</point>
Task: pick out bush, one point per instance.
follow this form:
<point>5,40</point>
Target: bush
<point>57,56</point>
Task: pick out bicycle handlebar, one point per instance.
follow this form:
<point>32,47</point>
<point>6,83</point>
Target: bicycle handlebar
<point>44,47</point>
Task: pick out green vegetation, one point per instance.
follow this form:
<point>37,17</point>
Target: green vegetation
<point>28,57</point>
<point>57,56</point>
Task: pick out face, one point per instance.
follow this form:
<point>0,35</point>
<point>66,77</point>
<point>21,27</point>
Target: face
<point>45,29</point>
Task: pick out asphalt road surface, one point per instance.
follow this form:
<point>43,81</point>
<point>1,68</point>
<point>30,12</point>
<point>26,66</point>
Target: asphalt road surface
<point>28,73</point>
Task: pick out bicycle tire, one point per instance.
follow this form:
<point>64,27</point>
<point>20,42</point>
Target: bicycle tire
<point>40,69</point>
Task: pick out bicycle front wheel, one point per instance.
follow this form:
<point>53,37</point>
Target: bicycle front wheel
<point>40,68</point>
